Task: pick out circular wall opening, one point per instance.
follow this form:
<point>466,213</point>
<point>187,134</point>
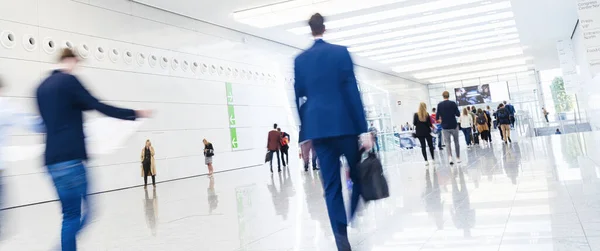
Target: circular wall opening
<point>10,37</point>
<point>31,41</point>
<point>100,49</point>
<point>51,44</point>
<point>68,44</point>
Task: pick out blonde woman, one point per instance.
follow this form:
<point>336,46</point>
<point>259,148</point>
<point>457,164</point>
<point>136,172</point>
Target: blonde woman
<point>466,123</point>
<point>148,166</point>
<point>423,129</point>
<point>209,152</point>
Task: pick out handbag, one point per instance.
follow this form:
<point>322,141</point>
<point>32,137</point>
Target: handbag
<point>373,181</point>
<point>269,156</point>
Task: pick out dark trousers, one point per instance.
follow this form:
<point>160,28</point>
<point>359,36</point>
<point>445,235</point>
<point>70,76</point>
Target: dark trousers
<point>467,133</point>
<point>439,138</point>
<point>275,153</point>
<point>70,181</point>
<point>485,135</point>
<point>148,172</point>
<point>307,150</point>
<point>285,158</point>
<point>429,141</point>
<point>329,151</point>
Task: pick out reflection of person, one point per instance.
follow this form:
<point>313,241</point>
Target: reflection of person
<point>557,131</point>
<point>273,145</point>
<point>151,209</point>
<point>61,100</point>
<point>447,113</point>
<point>433,199</point>
<point>281,197</point>
<point>462,214</point>
<point>333,120</point>
<point>285,147</point>
<point>148,164</point>
<point>209,152</point>
<point>423,126</point>
<point>213,198</point>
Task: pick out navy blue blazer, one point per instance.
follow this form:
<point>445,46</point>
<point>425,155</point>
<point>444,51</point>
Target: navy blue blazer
<point>324,76</point>
<point>62,99</point>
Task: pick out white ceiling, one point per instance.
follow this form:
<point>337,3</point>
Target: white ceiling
<point>427,40</point>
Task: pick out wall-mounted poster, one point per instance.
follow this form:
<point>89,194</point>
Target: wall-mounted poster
<point>472,95</point>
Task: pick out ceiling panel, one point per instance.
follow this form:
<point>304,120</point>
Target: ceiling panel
<point>431,41</point>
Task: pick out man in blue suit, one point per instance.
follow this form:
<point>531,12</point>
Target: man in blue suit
<point>332,116</point>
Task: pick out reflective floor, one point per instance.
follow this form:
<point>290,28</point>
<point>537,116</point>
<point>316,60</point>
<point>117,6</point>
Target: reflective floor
<point>535,194</point>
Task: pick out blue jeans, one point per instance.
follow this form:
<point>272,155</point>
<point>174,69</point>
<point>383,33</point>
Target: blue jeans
<point>467,133</point>
<point>70,180</point>
<point>376,144</point>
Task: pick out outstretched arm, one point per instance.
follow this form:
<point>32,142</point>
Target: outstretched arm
<point>86,101</point>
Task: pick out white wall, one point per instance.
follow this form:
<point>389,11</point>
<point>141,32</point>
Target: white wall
<point>190,104</point>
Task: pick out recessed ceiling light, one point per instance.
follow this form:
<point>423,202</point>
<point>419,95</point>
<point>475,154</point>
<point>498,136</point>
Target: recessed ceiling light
<point>286,12</point>
<point>480,74</point>
<point>471,58</point>
<point>388,14</point>
<point>420,21</point>
<point>471,68</point>
<point>448,48</point>
<point>463,48</point>
<point>427,37</point>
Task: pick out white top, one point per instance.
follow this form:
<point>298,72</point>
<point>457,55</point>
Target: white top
<point>466,121</point>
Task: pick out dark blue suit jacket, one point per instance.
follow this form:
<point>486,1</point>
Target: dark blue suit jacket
<point>325,78</point>
<point>61,101</point>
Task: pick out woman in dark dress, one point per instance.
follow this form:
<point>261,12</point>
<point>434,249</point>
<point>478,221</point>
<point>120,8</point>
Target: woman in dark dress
<point>148,167</point>
<point>423,129</point>
<point>209,152</point>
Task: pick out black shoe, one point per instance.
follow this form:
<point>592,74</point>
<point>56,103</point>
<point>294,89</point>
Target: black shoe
<point>316,168</point>
<point>271,170</point>
<point>279,170</point>
<point>306,168</point>
<point>509,140</point>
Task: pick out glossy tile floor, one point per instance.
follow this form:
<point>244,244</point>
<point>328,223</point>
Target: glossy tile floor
<point>535,194</point>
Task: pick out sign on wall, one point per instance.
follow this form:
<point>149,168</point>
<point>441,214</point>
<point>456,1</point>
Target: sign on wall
<point>231,116</point>
<point>589,19</point>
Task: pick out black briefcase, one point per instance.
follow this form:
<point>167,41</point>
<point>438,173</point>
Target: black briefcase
<point>373,182</point>
<point>269,156</point>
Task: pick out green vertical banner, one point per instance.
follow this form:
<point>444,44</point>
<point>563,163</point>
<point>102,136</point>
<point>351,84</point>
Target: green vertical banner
<point>231,116</point>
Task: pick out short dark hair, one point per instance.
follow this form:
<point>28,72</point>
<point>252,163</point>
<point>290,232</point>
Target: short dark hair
<point>317,24</point>
<point>67,53</point>
<point>504,102</point>
<point>279,129</point>
<point>433,110</point>
<point>446,94</point>
<point>275,126</point>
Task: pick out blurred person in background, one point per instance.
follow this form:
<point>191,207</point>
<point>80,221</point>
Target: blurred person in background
<point>333,117</point>
<point>148,164</point>
<point>447,111</point>
<point>488,112</point>
<point>11,116</point>
<point>61,101</point>
<point>438,128</point>
<point>466,125</point>
<point>511,111</point>
<point>274,146</point>
<point>482,122</point>
<point>423,128</point>
<point>504,121</point>
<point>373,130</point>
<point>285,147</point>
<point>209,152</point>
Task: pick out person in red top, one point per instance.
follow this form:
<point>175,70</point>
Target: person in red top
<point>274,145</point>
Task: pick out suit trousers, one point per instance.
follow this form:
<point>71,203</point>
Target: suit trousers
<point>329,151</point>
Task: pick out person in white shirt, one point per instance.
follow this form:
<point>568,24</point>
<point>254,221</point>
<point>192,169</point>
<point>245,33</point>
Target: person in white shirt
<point>10,117</point>
<point>466,123</point>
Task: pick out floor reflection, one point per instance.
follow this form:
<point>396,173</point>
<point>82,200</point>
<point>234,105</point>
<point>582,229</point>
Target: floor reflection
<point>151,210</point>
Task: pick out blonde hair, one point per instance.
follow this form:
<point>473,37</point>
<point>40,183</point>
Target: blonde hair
<point>422,113</point>
<point>465,111</point>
